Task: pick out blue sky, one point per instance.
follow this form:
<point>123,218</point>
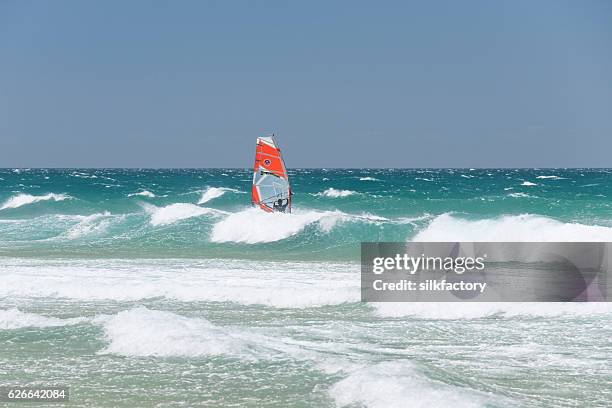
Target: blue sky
<point>342,84</point>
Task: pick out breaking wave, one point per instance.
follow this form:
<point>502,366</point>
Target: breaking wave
<point>175,212</point>
<point>333,193</point>
<point>143,193</point>
<point>551,177</point>
<point>214,192</point>
<point>142,332</point>
<point>89,224</point>
<point>520,195</point>
<point>397,384</point>
<point>283,285</point>
<point>253,226</point>
<point>20,200</point>
<point>511,228</point>
<point>15,319</point>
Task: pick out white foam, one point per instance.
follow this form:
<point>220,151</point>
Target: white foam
<point>453,311</point>
<point>142,332</point>
<point>528,184</point>
<point>83,175</point>
<point>175,212</point>
<point>520,195</point>
<point>398,384</point>
<point>368,179</point>
<point>25,199</point>
<point>551,177</point>
<point>511,228</point>
<point>276,284</point>
<point>16,319</point>
<point>366,216</point>
<point>90,224</point>
<point>214,192</point>
<point>253,226</point>
<point>333,193</point>
<point>143,193</point>
<point>414,220</point>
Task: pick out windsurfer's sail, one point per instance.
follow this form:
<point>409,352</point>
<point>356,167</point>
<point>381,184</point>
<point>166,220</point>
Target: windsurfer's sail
<point>271,189</point>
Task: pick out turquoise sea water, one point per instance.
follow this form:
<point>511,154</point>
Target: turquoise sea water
<point>164,288</point>
<point>155,213</point>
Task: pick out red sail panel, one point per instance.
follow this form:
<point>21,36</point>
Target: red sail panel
<point>269,158</point>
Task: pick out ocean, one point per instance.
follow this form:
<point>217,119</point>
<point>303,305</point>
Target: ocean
<point>145,287</point>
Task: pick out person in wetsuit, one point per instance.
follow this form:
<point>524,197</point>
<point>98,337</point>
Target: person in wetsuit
<point>279,206</point>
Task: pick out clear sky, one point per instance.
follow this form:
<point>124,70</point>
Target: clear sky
<point>341,83</point>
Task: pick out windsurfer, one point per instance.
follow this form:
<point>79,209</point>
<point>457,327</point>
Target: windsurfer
<point>279,206</point>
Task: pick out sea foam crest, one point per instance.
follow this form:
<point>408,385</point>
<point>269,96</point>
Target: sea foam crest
<point>90,224</point>
<point>176,212</point>
<point>253,225</point>
<point>20,200</point>
<point>333,193</point>
<point>511,228</point>
<point>284,285</point>
<point>520,195</point>
<point>393,384</point>
<point>16,319</point>
<point>214,192</point>
<point>142,332</point>
<point>143,193</point>
<point>550,177</point>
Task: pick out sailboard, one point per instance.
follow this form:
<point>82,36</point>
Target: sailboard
<point>271,189</point>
